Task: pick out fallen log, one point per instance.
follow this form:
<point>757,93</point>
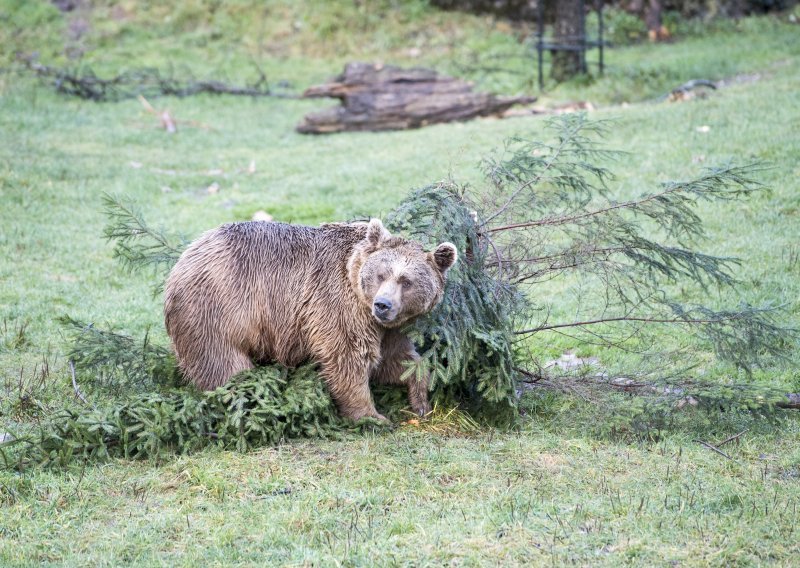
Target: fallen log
<point>378,97</point>
<point>792,402</point>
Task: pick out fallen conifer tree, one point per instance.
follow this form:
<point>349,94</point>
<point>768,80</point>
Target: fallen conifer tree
<point>544,223</point>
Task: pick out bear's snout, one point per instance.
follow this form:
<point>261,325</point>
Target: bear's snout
<point>382,308</point>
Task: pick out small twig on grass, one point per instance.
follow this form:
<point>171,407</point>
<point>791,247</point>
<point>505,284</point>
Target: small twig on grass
<point>168,121</point>
<point>715,449</point>
<point>732,438</point>
<point>530,377</point>
<point>78,392</point>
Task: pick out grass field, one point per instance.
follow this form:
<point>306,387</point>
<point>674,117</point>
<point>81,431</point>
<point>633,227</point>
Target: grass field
<point>555,490</point>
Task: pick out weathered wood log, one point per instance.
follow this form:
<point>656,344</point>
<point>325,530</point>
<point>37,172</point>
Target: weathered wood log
<point>793,401</point>
<point>376,97</point>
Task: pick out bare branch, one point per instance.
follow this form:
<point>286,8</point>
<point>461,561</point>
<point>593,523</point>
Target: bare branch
<point>83,83</point>
<point>77,390</point>
<point>715,449</point>
<point>732,438</point>
<point>629,318</point>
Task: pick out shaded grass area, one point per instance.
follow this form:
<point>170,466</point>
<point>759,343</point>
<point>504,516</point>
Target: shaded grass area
<point>556,491</point>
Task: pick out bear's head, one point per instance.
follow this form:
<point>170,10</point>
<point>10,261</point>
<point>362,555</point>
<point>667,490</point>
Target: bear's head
<point>395,278</point>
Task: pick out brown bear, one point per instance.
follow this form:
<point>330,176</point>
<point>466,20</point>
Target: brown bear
<point>336,294</point>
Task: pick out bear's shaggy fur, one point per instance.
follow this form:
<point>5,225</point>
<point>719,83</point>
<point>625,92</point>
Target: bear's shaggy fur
<point>336,294</point>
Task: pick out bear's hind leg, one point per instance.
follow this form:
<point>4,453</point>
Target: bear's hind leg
<point>216,366</point>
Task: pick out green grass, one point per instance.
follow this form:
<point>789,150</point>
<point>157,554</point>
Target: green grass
<point>406,499</point>
<point>555,491</point>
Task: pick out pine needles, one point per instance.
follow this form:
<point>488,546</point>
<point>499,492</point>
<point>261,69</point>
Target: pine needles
<point>549,217</point>
<point>256,409</point>
<point>465,342</point>
<point>116,363</point>
<point>137,245</point>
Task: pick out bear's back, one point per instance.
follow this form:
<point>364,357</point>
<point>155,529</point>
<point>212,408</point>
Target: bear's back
<point>288,250</point>
<point>254,280</point>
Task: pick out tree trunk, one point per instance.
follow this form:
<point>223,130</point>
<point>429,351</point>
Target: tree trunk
<point>569,31</point>
<point>651,14</point>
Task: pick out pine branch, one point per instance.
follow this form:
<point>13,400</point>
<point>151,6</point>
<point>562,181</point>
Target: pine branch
<point>554,221</point>
<point>257,408</point>
<point>623,319</point>
<point>669,207</point>
<point>570,166</point>
<point>647,258</point>
<point>464,343</point>
<point>744,337</point>
<point>568,141</point>
<point>137,245</point>
<point>117,361</point>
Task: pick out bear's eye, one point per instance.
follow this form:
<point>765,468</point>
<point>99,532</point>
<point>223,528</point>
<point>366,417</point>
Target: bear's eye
<point>405,283</point>
<point>381,277</point>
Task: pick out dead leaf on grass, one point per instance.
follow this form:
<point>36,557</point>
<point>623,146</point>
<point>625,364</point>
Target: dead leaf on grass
<point>168,123</point>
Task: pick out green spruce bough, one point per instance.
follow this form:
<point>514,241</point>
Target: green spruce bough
<point>259,408</point>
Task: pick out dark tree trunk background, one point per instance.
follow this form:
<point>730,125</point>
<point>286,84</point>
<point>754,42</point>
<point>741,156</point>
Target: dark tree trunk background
<point>650,12</point>
<point>512,9</point>
<point>652,15</point>
<point>569,30</point>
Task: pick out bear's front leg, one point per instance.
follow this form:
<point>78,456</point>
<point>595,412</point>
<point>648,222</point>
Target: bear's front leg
<point>396,351</point>
<point>347,378</point>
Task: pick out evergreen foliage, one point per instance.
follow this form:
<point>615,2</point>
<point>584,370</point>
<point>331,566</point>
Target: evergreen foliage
<point>466,342</point>
<point>550,216</point>
<point>255,409</point>
<point>137,245</point>
<point>116,363</point>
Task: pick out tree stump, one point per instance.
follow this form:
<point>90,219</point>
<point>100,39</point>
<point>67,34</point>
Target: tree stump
<point>378,97</point>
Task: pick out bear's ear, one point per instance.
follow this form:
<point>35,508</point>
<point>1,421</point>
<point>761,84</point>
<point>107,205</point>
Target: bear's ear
<point>376,232</point>
<point>445,256</point>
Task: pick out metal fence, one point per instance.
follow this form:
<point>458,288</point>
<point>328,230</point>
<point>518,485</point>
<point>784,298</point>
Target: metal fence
<point>580,43</point>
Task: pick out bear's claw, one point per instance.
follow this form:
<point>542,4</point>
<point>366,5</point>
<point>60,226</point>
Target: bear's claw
<point>422,409</point>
